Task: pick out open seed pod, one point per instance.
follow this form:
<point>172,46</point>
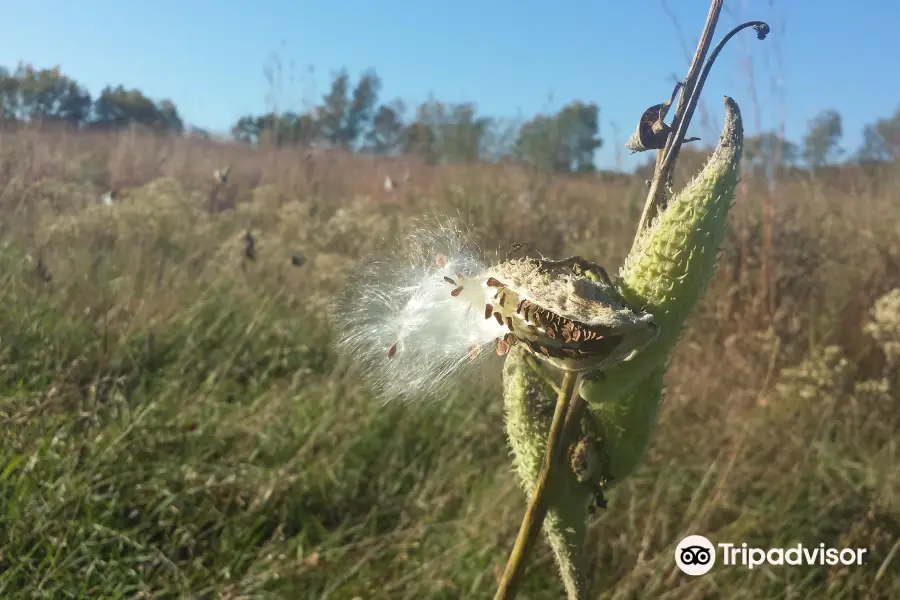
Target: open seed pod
<point>567,313</point>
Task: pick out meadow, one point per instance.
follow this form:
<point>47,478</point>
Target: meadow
<point>175,424</point>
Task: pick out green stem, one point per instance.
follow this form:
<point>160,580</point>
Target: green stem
<point>537,505</point>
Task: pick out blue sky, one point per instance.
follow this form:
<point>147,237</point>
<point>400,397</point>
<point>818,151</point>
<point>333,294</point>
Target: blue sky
<point>512,58</point>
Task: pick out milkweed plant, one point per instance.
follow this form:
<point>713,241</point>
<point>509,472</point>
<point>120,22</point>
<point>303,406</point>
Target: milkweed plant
<point>417,320</point>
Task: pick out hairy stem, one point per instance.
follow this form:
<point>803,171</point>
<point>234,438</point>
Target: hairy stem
<point>537,505</point>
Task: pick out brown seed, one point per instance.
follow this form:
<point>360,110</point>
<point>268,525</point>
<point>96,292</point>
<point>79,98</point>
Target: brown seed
<point>488,309</point>
<point>511,339</point>
<point>499,317</point>
<point>392,350</point>
<point>448,280</point>
<point>456,292</point>
<point>571,332</point>
<point>509,323</point>
<point>551,333</point>
<point>502,347</point>
<point>491,282</point>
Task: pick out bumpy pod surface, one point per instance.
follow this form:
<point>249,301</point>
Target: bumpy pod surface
<point>669,268</point>
<point>666,274</point>
<point>529,402</point>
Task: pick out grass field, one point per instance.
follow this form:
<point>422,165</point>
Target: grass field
<point>174,423</point>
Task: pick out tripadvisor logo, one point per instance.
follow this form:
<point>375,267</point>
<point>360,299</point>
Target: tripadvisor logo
<point>696,555</point>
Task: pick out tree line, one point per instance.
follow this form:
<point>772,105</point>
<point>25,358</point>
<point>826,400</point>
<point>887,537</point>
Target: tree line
<point>351,116</point>
<point>49,96</point>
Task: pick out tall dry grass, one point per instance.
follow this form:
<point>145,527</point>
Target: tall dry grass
<point>174,424</point>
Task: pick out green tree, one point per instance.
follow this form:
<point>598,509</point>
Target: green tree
<point>247,129</point>
<point>298,129</point>
<point>821,142</point>
<point>285,129</point>
<point>9,96</point>
<point>451,133</point>
<point>345,115</point>
<point>170,118</point>
<point>43,95</point>
<point>117,108</point>
<point>386,135</point>
<point>538,144</point>
<point>499,140</point>
<point>420,140</point>
<point>564,142</point>
<point>881,139</point>
<point>769,152</point>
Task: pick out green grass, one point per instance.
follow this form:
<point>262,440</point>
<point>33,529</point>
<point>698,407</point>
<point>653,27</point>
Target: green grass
<point>174,424</point>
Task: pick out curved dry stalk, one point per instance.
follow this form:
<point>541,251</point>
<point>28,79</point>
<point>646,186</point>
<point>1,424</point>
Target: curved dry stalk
<point>687,103</point>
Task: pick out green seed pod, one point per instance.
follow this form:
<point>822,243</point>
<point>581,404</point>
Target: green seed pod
<point>673,261</point>
<point>529,403</point>
<point>666,274</point>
